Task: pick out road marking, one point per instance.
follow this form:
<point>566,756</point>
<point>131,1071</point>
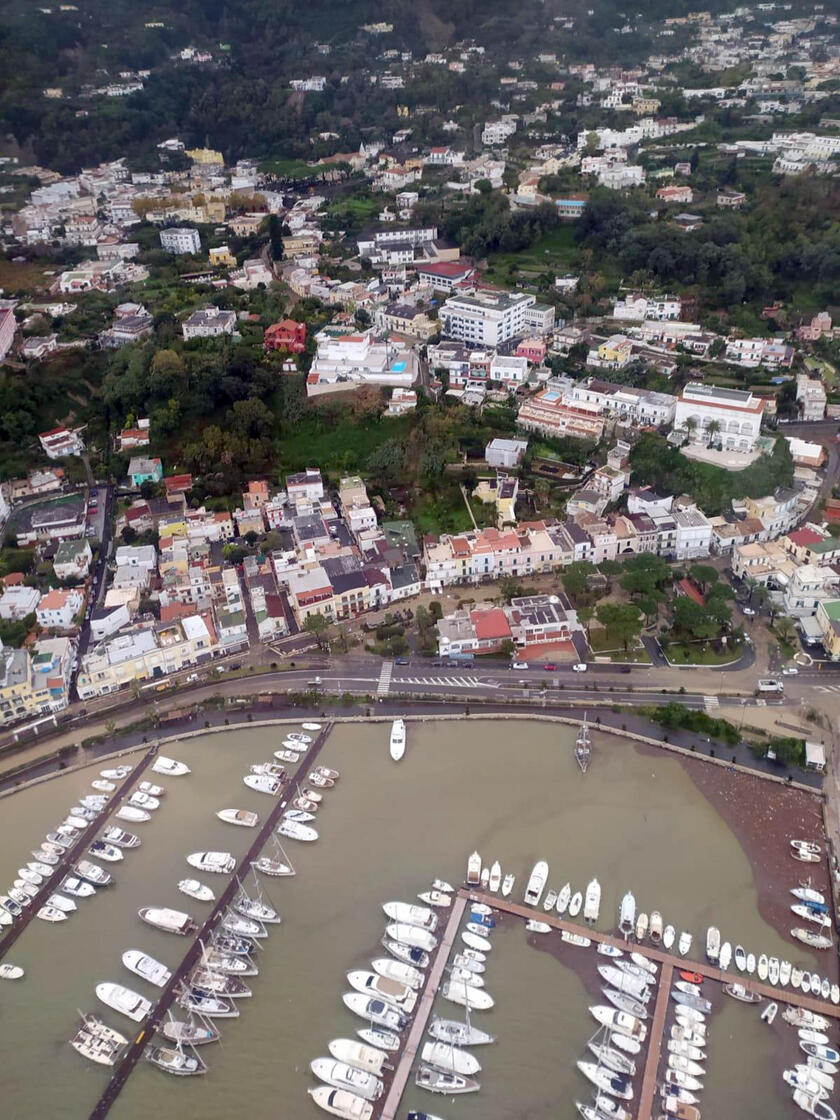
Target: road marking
<point>385,679</point>
<point>710,703</point>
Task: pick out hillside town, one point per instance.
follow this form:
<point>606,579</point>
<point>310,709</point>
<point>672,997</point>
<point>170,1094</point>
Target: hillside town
<point>348,280</point>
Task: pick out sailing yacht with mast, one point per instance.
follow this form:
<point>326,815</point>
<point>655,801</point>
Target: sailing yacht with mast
<point>583,746</point>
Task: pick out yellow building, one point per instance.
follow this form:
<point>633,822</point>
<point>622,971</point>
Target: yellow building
<point>646,106</point>
<point>221,256</point>
<point>205,156</point>
<point>616,352</point>
<point>828,619</point>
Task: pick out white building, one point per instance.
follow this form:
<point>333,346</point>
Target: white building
<point>638,307</point>
<point>505,453</point>
<point>209,322</point>
<point>496,132</point>
<point>694,532</point>
<point>485,318</point>
<point>180,240</point>
<point>58,608</point>
<point>345,361</point>
<point>735,413</point>
<point>17,602</point>
<point>810,393</point>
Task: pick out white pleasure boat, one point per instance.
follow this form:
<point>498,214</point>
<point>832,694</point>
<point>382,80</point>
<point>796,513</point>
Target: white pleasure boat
<point>397,744</point>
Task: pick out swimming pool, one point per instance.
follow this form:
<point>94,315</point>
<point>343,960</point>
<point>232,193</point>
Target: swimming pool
<point>399,367</point>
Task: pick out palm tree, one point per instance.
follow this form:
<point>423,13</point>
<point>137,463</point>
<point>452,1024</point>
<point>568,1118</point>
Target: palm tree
<point>713,429</point>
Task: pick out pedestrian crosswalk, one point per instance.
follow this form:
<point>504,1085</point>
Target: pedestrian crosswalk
<point>710,703</point>
<point>826,687</point>
<point>385,679</point>
<point>451,682</point>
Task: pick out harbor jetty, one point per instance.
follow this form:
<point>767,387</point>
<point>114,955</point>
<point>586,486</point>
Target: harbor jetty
<point>191,958</point>
<point>424,1009</point>
<point>74,852</point>
<point>657,1027</point>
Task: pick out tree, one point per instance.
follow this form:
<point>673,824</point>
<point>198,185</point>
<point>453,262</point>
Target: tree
<point>510,588</point>
<point>691,620</point>
<point>576,578</point>
<point>508,649</point>
<point>316,625</point>
<point>703,575</point>
<point>622,621</point>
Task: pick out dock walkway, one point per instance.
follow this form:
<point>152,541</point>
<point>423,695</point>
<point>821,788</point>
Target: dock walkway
<point>424,1008</point>
<point>660,1012</point>
<point>73,853</point>
<point>176,982</point>
<point>709,971</point>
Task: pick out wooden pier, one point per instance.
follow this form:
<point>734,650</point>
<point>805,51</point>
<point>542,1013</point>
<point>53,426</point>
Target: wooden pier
<point>654,1053</point>
<point>662,957</point>
<point>423,1010</point>
<point>72,854</point>
<point>192,956</point>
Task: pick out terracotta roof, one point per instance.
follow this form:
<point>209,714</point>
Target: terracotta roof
<point>804,537</point>
<point>490,624</point>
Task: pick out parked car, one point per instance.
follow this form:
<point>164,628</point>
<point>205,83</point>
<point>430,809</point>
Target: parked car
<point>550,667</point>
<point>748,611</point>
<point>580,667</point>
<point>519,665</point>
<point>790,671</point>
<point>400,660</point>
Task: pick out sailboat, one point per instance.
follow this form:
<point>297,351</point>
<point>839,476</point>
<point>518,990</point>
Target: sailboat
<point>583,746</point>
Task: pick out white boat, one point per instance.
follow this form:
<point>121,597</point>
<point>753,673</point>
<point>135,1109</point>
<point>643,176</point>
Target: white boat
<point>465,995</point>
<point>121,838</point>
<point>44,856</point>
<point>93,873</point>
<point>811,939</point>
<point>474,870</point>
<point>42,869</point>
<point>372,984</point>
<point>616,1084</point>
<point>417,958</point>
<point>102,785</point>
<point>563,898</point>
<point>294,830</point>
<point>740,958</point>
<point>686,1065</point>
<point>101,849</point>
<point>273,867</point>
<point>399,971</point>
<point>375,1011</point>
<point>358,1054</point>
<point>411,915</point>
<point>263,783</point>
<point>592,903</point>
<point>713,943</point>
<point>311,726</point>
<point>133,814</point>
<point>243,817</point>
<point>549,900</point>
<point>299,737</point>
<point>577,939</point>
<point>684,944</point>
<point>468,962</point>
<point>164,765</point>
<point>413,936</point>
<point>813,1106</point>
<point>287,756</point>
<point>495,877</point>
<point>51,914</point>
<point>625,1002</point>
<point>694,1053</point>
<point>608,950</point>
<point>116,773</point>
<point>575,904</point>
<point>476,941</point>
<point>397,743</point>
<point>619,1021</point>
<point>436,898</point>
<point>807,893</point>
<point>536,883</point>
<point>216,863</point>
<point>612,1059</point>
<point>60,902</point>
<point>340,1075</point>
<point>197,890</point>
<point>655,927</point>
<point>298,815</point>
<point>142,965</point>
<point>77,888</point>
<point>379,1037</point>
<point>762,967</point>
<point>784,973</point>
<point>641,926</point>
<point>485,877</point>
<point>450,1058</point>
<point>340,1102</point>
<point>825,988</point>
<point>808,1034</point>
<point>826,1080</point>
<point>169,920</point>
<point>455,1032</point>
<point>124,1000</point>
<point>537,927</point>
<point>773,970</point>
<point>725,956</point>
<point>627,915</point>
<point>507,885</point>
<point>801,910</point>
<point>438,1081</point>
<point>10,971</point>
<point>806,846</point>
<point>683,1080</point>
<point>144,801</point>
<point>30,876</point>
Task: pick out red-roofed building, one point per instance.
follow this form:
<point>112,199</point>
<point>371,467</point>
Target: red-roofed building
<point>491,628</point>
<point>803,537</point>
<point>171,612</point>
<point>445,275</point>
<point>691,591</point>
<point>287,335</point>
<point>178,484</point>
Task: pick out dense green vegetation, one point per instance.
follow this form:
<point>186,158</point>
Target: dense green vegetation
<point>656,463</point>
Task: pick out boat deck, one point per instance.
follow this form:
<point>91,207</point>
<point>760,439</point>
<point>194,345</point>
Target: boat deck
<point>657,1026</point>
<point>191,957</point>
<point>74,853</point>
<point>662,957</point>
<point>423,1010</point>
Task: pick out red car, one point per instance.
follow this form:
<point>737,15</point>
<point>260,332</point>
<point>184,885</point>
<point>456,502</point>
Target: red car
<point>550,667</point>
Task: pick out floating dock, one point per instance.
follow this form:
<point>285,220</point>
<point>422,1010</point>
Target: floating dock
<point>135,1050</point>
<point>654,1053</point>
<point>424,1009</point>
<point>74,853</point>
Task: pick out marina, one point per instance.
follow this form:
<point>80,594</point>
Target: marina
<point>541,986</point>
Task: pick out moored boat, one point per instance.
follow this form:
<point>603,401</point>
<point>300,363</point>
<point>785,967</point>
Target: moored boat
<point>242,817</point>
<point>627,915</point>
<point>171,766</point>
<point>147,967</point>
<point>474,870</point>
<point>168,920</point>
<point>124,1000</point>
<point>397,740</point>
<point>216,863</point>
<point>536,883</point>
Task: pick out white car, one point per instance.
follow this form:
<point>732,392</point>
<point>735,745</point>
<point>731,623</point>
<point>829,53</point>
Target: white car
<point>580,667</point>
<point>791,671</point>
<point>747,610</point>
<point>519,665</point>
